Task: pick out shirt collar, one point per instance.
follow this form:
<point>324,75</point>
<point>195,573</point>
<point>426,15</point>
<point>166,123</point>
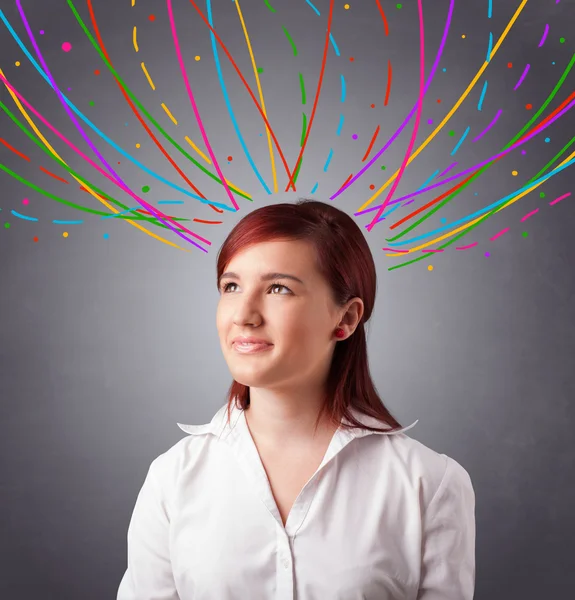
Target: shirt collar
<point>218,425</point>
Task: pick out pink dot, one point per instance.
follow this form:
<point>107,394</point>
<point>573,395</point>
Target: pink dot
<point>41,32</point>
<point>66,46</point>
<point>25,201</point>
<point>354,136</point>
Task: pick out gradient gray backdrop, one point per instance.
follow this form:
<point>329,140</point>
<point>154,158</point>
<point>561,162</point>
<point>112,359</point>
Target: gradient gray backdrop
<point>107,343</point>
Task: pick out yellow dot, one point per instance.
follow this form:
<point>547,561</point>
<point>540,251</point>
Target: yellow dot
<point>514,173</point>
<point>463,36</point>
<point>430,268</point>
<point>17,63</point>
<point>197,58</point>
<point>65,234</point>
<point>346,6</point>
<point>137,145</point>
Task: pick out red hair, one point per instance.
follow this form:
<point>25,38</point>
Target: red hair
<point>344,259</point>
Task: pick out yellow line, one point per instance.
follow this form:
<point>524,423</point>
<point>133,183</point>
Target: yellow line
<point>133,2</point>
<point>84,185</point>
<point>169,114</point>
<point>452,111</point>
<point>198,150</point>
<point>471,223</point>
<point>135,39</point>
<point>148,76</point>
<point>260,93</point>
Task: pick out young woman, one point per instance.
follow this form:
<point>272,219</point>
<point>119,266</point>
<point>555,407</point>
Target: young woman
<point>303,486</point>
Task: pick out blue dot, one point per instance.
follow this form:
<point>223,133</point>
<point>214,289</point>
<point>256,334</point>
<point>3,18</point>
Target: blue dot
<point>553,63</point>
<point>547,140</point>
<point>126,124</point>
<point>444,69</point>
<point>476,194</point>
<point>443,220</point>
<point>261,134</point>
<point>106,236</point>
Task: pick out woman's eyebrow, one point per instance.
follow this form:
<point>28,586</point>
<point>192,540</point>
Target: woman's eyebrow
<point>264,277</point>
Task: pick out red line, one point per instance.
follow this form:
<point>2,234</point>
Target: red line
<point>324,60</point>
<point>286,166</point>
<point>344,183</point>
<point>382,12</point>
<point>389,78</point>
<point>14,149</point>
<point>145,212</point>
<point>370,144</point>
<point>52,175</point>
<point>208,222</point>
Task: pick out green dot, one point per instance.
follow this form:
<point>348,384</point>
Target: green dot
<point>542,195</point>
<point>146,188</point>
<point>562,40</point>
<point>452,133</point>
<point>260,69</point>
<point>383,167</point>
<point>91,103</point>
<point>524,234</point>
<point>7,225</point>
<point>398,5</point>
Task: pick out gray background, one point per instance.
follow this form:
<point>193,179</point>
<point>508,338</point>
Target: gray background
<point>106,343</point>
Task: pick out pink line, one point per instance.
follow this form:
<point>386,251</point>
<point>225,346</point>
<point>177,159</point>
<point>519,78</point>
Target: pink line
<point>194,106</point>
<point>499,234</point>
<point>499,112</point>
<point>86,158</point>
<point>395,250</point>
<point>560,198</point>
<point>529,215</point>
<point>439,250</point>
<point>417,118</point>
<point>467,247</point>
<point>522,77</point>
<point>544,35</point>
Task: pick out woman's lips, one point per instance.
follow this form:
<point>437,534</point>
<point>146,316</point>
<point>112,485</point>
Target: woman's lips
<point>251,348</point>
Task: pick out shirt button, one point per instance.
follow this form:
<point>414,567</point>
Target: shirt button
<point>285,563</point>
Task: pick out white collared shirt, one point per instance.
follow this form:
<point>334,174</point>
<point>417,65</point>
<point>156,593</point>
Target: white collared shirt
<point>383,518</point>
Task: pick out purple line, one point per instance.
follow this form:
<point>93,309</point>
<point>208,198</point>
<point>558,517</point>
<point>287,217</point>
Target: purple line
<point>522,77</point>
<point>560,198</point>
<point>448,169</point>
<point>408,118</point>
<point>87,139</point>
<point>489,126</point>
<point>524,140</point>
<point>544,35</point>
<point>533,212</point>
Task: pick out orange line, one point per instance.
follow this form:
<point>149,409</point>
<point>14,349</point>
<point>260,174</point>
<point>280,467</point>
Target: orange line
<point>389,78</point>
<point>208,222</point>
<point>14,149</point>
<point>370,144</point>
<point>52,175</point>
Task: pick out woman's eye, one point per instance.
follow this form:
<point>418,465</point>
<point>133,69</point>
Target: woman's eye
<point>225,287</point>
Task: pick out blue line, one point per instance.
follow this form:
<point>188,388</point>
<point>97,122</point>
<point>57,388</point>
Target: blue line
<point>56,222</point>
<point>227,99</point>
<point>428,180</point>
<point>170,201</point>
<point>314,8</point>
<point>342,87</point>
<point>487,208</point>
<point>460,141</point>
<point>120,213</point>
<point>334,45</point>
<point>490,47</point>
<point>490,9</point>
<point>100,133</point>
<point>341,119</point>
<point>480,105</point>
<point>314,188</point>
<point>328,160</point>
<point>23,216</point>
<point>391,210</point>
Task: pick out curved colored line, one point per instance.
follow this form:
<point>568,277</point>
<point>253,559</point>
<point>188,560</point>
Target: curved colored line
<point>228,102</point>
<point>289,38</point>
<point>495,119</point>
<point>383,17</point>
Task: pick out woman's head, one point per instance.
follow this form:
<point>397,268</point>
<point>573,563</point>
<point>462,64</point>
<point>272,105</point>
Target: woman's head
<point>325,250</point>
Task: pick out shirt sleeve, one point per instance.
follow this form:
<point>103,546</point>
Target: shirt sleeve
<point>149,573</point>
<point>448,545</point>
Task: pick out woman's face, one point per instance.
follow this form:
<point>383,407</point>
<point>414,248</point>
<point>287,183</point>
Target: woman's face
<point>297,317</point>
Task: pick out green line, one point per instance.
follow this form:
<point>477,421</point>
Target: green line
<point>270,6</point>
<point>152,220</point>
<point>303,126</point>
<point>487,166</point>
<point>551,161</point>
<point>139,104</point>
<point>302,86</point>
<point>296,174</point>
<point>293,46</point>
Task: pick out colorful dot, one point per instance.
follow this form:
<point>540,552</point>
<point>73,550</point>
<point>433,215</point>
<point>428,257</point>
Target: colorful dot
<point>137,145</point>
<point>383,167</point>
<point>260,69</point>
<point>354,136</point>
<point>25,201</point>
<point>96,71</point>
<point>351,59</point>
<point>443,220</point>
<point>451,133</point>
<point>146,189</point>
<point>197,57</point>
<point>509,65</point>
<point>65,234</point>
<point>7,225</point>
<point>514,173</point>
<point>66,46</point>
<point>373,106</point>
<point>430,267</point>
<point>553,63</point>
<point>430,121</point>
<point>524,152</point>
<point>152,18</point>
<point>561,40</point>
<point>524,234</point>
<point>41,32</point>
<point>547,140</point>
<point>35,239</point>
<point>346,6</point>
<point>230,158</point>
<point>487,255</point>
<point>106,236</point>
<point>463,36</point>
<point>444,69</point>
<point>91,103</point>
<point>541,194</point>
<point>529,106</point>
<point>399,5</point>
<point>17,63</point>
<point>372,187</point>
<point>439,101</point>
